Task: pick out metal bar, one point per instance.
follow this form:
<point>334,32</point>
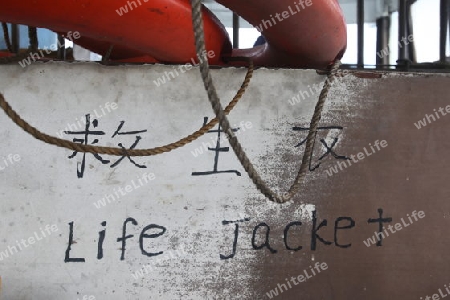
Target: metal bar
<point>15,38</point>
<point>410,28</point>
<point>402,32</point>
<point>235,31</point>
<point>61,50</point>
<point>448,12</point>
<point>443,31</point>
<point>383,51</point>
<point>448,20</point>
<point>360,20</point>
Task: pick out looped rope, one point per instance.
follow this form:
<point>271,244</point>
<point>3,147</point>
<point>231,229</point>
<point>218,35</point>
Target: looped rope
<point>197,22</point>
<point>221,117</point>
<point>118,151</point>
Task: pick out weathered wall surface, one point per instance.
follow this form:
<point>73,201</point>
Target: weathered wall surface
<point>185,208</point>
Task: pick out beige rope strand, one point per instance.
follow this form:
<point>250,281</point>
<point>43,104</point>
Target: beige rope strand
<point>225,124</point>
<point>118,151</point>
<point>32,33</point>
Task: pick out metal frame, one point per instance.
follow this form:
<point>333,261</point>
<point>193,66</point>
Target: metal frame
<point>236,28</point>
<point>407,56</point>
<point>444,18</point>
<point>360,20</point>
<point>407,60</point>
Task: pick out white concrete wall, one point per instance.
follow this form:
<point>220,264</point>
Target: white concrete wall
<point>42,188</point>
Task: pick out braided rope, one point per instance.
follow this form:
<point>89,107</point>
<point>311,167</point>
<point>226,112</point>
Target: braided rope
<point>118,151</point>
<point>223,120</point>
<point>221,117</point>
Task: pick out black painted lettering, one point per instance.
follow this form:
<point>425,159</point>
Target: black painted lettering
<point>101,238</point>
<point>380,222</point>
<point>68,258</point>
<point>314,235</point>
<point>336,227</point>
<point>266,242</point>
<point>124,238</point>
<point>236,234</point>
<point>286,230</point>
<point>150,236</point>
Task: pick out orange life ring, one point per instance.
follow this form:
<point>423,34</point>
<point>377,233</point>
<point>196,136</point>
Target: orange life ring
<point>301,33</point>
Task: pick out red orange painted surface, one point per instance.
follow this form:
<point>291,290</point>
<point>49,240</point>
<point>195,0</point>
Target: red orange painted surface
<point>302,33</point>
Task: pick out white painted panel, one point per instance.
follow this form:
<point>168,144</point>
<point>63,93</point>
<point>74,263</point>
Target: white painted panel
<point>39,187</point>
<point>42,188</point>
